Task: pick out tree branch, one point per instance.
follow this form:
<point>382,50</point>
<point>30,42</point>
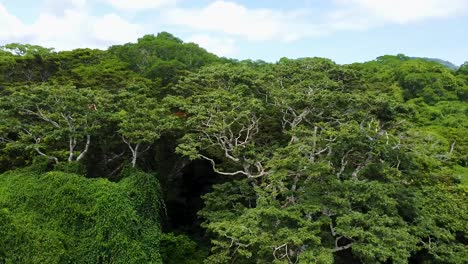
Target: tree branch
<point>336,249</point>
<point>6,140</point>
<point>41,115</point>
<point>45,155</point>
<point>88,142</point>
<point>261,170</point>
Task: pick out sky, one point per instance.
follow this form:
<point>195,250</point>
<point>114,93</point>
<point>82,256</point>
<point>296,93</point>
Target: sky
<point>345,31</point>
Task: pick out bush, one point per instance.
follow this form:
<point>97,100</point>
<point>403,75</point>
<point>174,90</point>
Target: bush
<point>59,217</point>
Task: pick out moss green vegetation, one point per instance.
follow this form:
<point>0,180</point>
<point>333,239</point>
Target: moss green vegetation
<point>57,217</point>
<point>160,152</point>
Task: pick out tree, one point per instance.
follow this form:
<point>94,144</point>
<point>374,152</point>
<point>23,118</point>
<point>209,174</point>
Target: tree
<point>463,69</point>
<point>439,223</point>
<point>141,119</point>
<point>225,118</point>
<point>28,63</point>
<point>311,161</point>
<point>162,57</point>
<point>326,136</point>
<point>50,119</point>
<point>26,49</point>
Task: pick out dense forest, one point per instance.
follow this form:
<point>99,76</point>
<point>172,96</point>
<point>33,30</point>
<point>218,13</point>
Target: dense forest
<point>161,152</point>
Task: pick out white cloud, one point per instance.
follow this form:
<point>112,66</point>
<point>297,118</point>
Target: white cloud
<point>138,5</point>
<point>219,46</point>
<point>218,26</point>
<point>237,20</point>
<point>114,29</point>
<point>58,32</point>
<point>405,11</point>
<point>58,7</point>
<point>10,26</point>
<point>362,14</point>
<point>262,24</point>
<point>73,29</point>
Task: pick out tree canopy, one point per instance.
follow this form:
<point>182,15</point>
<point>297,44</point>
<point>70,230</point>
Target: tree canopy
<point>161,152</point>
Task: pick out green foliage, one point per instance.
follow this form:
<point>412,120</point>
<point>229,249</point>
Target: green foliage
<point>179,249</point>
<point>440,223</point>
<point>316,162</point>
<point>110,74</point>
<point>140,117</point>
<point>162,57</point>
<point>29,63</point>
<point>58,217</point>
<point>330,181</point>
<point>54,119</point>
<point>26,49</point>
<point>463,69</point>
<point>379,237</point>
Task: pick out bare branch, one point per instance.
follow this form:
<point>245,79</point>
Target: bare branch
<point>336,249</point>
<point>355,173</point>
<point>261,170</point>
<point>36,148</point>
<point>85,151</point>
<point>45,155</point>
<point>6,140</point>
<point>334,234</point>
<point>68,119</point>
<point>146,149</point>
<point>42,116</point>
<point>235,241</point>
<point>229,140</point>
<point>116,156</point>
<point>128,144</point>
<point>117,169</point>
<point>343,163</point>
<point>452,147</point>
<point>296,119</point>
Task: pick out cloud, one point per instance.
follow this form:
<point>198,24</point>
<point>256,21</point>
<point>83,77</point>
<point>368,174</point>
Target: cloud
<point>263,24</point>
<point>58,7</point>
<point>363,14</point>
<point>236,20</point>
<point>139,5</point>
<point>7,23</point>
<point>114,29</point>
<point>217,26</point>
<point>405,11</point>
<point>219,46</point>
<point>73,29</point>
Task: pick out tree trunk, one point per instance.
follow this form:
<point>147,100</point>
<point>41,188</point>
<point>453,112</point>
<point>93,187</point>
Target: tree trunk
<point>72,149</point>
<point>134,155</point>
<point>83,154</point>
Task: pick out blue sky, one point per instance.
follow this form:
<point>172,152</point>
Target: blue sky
<point>343,30</point>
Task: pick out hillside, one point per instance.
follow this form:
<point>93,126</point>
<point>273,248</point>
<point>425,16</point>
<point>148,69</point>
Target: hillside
<point>445,63</point>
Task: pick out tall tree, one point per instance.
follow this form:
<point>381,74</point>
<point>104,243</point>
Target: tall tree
<point>54,120</point>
